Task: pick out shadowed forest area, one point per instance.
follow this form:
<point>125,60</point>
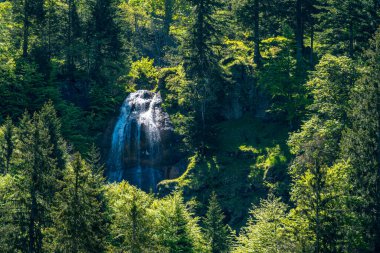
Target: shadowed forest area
<point>190,126</point>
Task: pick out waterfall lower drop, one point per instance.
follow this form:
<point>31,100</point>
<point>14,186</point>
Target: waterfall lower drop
<point>135,151</point>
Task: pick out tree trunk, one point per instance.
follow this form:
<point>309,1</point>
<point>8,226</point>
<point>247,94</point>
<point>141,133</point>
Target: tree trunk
<point>351,48</point>
<point>377,193</point>
<point>33,214</point>
<point>25,44</point>
<point>168,18</point>
<point>299,32</point>
<point>256,31</point>
<point>69,63</point>
<point>312,46</point>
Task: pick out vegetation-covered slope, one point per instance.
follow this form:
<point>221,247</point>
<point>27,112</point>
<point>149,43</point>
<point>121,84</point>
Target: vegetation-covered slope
<point>275,106</point>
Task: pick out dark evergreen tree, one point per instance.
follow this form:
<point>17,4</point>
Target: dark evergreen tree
<point>169,13</point>
<point>94,160</point>
<point>7,145</point>
<point>217,234</point>
<point>201,65</point>
<point>346,26</point>
<point>133,224</point>
<point>104,40</point>
<point>249,14</point>
<point>36,177</point>
<point>316,148</point>
<point>48,116</point>
<point>361,147</point>
<point>181,240</point>
<point>80,220</point>
<point>73,38</point>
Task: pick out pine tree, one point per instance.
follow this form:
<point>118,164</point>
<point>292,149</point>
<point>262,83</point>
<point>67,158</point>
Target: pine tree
<point>168,19</point>
<point>7,147</point>
<point>266,229</point>
<point>346,25</point>
<point>201,64</point>
<point>36,177</point>
<point>72,38</point>
<point>94,160</point>
<point>48,116</point>
<point>216,232</point>
<point>316,149</point>
<point>10,211</point>
<point>181,240</point>
<point>104,41</point>
<point>133,225</point>
<point>361,146</point>
<point>249,14</point>
<point>80,219</point>
<point>177,229</point>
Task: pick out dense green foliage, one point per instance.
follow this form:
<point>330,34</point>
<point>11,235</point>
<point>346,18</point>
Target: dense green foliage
<point>275,107</point>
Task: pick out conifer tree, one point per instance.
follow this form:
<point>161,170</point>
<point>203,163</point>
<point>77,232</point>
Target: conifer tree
<point>132,227</point>
<point>266,229</point>
<point>216,232</point>
<point>361,146</point>
<point>7,145</point>
<point>316,149</point>
<point>181,240</point>
<point>94,160</point>
<point>36,177</point>
<point>73,35</point>
<point>249,14</point>
<point>201,64</point>
<point>104,42</point>
<point>346,25</point>
<point>48,116</point>
<point>80,219</point>
<point>177,229</point>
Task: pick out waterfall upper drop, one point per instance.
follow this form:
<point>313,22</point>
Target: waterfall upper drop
<point>136,149</point>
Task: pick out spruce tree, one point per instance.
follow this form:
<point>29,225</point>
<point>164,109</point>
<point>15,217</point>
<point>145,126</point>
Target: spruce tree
<point>346,25</point>
<point>316,149</point>
<point>104,41</point>
<point>36,177</point>
<point>94,160</point>
<point>267,229</point>
<point>177,229</point>
<point>7,145</point>
<point>80,219</point>
<point>216,232</point>
<point>181,240</point>
<point>133,225</point>
<point>201,65</point>
<point>52,123</point>
<point>249,14</point>
<point>361,146</point>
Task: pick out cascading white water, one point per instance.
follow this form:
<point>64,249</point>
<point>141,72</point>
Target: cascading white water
<point>135,148</point>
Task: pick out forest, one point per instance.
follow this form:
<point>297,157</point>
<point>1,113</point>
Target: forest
<point>175,126</point>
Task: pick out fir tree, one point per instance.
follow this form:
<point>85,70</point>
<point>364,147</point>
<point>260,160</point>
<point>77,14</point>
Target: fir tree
<point>266,229</point>
<point>201,64</point>
<point>132,227</point>
<point>80,221</point>
<point>8,145</point>
<point>178,230</point>
<point>48,116</point>
<point>316,149</point>
<point>36,177</point>
<point>216,232</point>
<point>361,146</point>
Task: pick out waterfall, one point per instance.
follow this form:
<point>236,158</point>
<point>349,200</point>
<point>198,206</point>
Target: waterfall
<point>136,139</point>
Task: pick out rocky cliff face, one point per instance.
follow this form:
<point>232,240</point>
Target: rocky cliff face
<point>141,141</point>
